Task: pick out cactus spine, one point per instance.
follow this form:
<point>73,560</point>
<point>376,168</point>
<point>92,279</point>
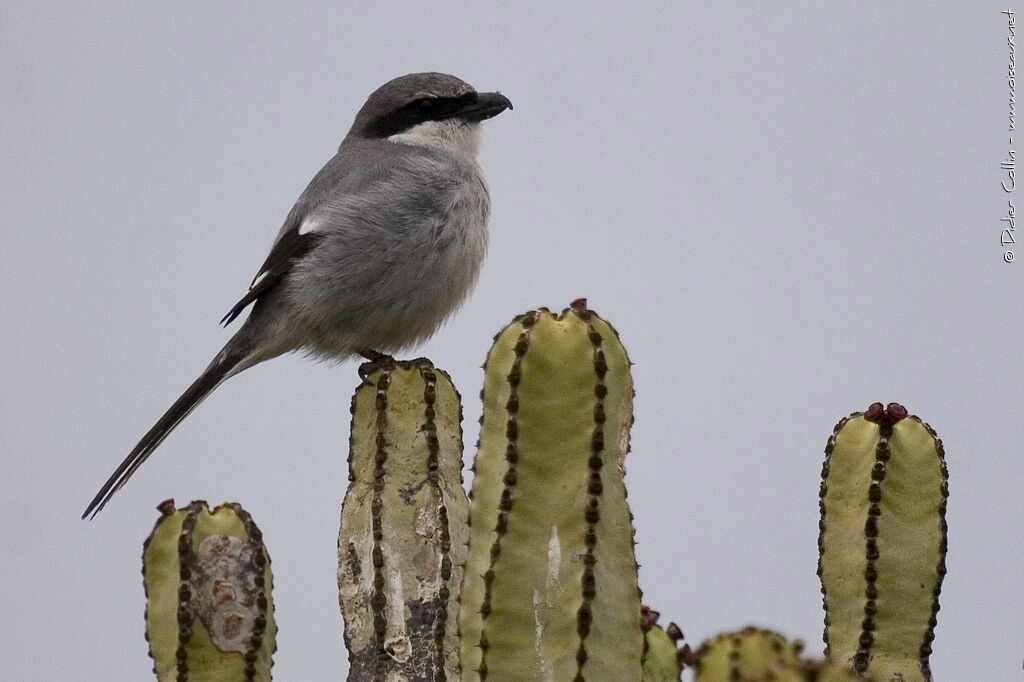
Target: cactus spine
<point>550,590</point>
<point>403,534</point>
<point>209,613</point>
<point>882,542</point>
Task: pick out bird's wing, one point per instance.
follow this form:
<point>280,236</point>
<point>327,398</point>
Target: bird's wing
<point>292,243</point>
<point>297,235</point>
<point>346,182</point>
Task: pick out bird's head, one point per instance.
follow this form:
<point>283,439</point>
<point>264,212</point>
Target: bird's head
<point>427,109</point>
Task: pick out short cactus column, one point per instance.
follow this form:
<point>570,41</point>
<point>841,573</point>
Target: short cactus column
<point>403,534</point>
<point>748,654</point>
<point>882,542</point>
<point>663,659</point>
<point>550,591</point>
<point>209,613</point>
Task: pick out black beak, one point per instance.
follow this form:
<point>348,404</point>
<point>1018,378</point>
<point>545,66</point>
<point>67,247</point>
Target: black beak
<point>486,105</point>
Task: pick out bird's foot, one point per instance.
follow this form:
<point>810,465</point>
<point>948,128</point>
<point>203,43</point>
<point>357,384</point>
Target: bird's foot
<point>375,355</point>
<point>375,359</point>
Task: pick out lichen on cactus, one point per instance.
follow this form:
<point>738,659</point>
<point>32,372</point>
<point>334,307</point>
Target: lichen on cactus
<point>748,654</point>
<point>550,589</point>
<point>209,612</point>
<point>404,530</point>
<point>882,542</point>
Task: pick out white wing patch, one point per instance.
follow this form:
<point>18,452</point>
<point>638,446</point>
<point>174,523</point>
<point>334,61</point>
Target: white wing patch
<point>259,278</point>
<point>309,224</point>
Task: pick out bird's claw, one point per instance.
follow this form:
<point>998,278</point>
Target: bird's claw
<point>375,360</point>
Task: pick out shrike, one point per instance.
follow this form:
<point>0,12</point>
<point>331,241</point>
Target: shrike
<point>385,242</point>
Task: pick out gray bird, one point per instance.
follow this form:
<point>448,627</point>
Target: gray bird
<point>385,243</point>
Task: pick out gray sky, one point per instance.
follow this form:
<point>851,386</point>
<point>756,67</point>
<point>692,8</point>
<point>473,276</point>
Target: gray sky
<point>787,212</point>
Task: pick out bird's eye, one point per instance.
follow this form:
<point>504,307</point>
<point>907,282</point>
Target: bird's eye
<point>426,105</point>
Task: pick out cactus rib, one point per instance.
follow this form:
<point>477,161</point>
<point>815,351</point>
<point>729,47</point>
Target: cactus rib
<point>509,480</point>
<point>378,601</point>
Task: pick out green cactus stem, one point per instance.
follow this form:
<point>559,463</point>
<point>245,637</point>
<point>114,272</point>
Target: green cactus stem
<point>819,670</point>
<point>209,612</point>
<point>746,655</point>
<point>550,590</point>
<point>404,529</point>
<point>663,659</point>
<point>882,542</point>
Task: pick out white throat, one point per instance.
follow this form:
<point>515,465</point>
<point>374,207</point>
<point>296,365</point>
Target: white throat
<point>451,135</point>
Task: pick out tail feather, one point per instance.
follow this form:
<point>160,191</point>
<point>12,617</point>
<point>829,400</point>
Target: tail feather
<point>228,362</point>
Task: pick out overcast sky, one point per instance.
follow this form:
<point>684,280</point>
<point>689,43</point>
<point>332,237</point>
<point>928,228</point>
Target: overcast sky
<point>789,212</point>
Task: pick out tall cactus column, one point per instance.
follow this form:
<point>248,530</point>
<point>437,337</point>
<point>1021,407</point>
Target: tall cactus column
<point>882,542</point>
<point>550,591</point>
<point>403,534</point>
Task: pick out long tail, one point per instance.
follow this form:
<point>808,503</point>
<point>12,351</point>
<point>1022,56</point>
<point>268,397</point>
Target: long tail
<point>233,358</point>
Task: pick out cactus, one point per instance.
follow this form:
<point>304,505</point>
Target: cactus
<point>403,534</point>
<point>663,659</point>
<point>209,613</point>
<point>882,542</point>
<point>748,654</point>
<point>820,670</point>
<point>550,588</point>
<point>537,579</point>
